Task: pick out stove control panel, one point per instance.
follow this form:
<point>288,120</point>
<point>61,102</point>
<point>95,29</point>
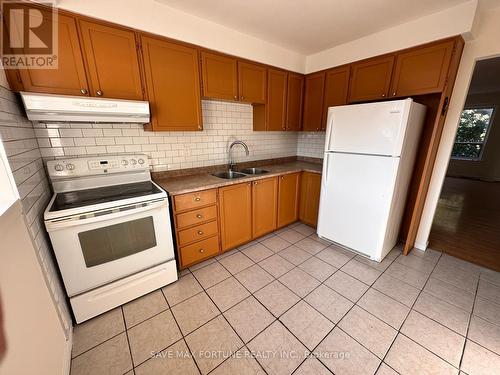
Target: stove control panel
<point>96,165</point>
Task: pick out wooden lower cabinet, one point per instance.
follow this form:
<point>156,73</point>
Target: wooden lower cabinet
<point>198,251</point>
<point>310,188</point>
<point>288,199</point>
<point>264,206</point>
<point>235,212</point>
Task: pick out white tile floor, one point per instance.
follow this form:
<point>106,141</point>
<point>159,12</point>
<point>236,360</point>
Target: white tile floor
<point>262,308</point>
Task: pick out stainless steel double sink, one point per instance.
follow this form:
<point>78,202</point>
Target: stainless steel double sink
<point>230,175</point>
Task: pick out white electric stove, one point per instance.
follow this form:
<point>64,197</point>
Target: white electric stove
<point>109,225</point>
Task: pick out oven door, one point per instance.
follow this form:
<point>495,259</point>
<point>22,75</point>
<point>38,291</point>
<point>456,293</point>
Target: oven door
<point>97,248</point>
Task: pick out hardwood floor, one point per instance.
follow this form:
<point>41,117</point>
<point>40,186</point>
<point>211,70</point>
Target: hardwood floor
<point>467,221</point>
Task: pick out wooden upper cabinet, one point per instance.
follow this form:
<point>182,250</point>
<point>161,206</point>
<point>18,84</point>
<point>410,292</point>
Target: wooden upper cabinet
<point>336,90</point>
<point>264,206</point>
<point>276,99</point>
<point>295,89</point>
<point>310,188</point>
<point>69,78</point>
<point>235,214</point>
<point>370,79</point>
<point>313,101</point>
<point>220,76</point>
<point>288,199</point>
<point>252,82</point>
<point>113,65</point>
<point>422,70</point>
<point>173,84</point>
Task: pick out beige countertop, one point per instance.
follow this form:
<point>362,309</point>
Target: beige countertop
<point>197,182</point>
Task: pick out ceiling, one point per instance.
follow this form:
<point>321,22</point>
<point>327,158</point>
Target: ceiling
<point>486,77</point>
<point>310,26</point>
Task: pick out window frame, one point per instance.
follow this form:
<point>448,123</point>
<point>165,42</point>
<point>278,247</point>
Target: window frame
<point>492,119</point>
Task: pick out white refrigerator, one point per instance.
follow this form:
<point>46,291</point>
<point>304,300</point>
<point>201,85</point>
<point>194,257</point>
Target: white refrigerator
<point>369,155</point>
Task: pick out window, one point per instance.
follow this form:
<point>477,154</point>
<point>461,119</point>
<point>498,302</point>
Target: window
<point>472,133</point>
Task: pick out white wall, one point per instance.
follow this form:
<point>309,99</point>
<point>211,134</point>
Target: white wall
<point>485,43</point>
<point>450,22</point>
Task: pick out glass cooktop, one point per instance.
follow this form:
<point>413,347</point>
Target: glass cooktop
<point>81,198</point>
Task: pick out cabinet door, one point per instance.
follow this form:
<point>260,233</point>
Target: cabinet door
<point>235,213</point>
<point>422,70</point>
<point>288,199</point>
<point>276,99</point>
<point>310,188</point>
<point>313,101</point>
<point>264,206</point>
<point>173,85</point>
<point>69,78</point>
<point>252,83</point>
<point>295,89</point>
<point>220,76</point>
<point>112,61</point>
<point>370,79</point>
<point>336,89</point>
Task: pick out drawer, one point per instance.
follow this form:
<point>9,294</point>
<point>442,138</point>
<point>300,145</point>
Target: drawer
<point>196,216</point>
<point>199,251</point>
<point>197,233</point>
<point>194,200</point>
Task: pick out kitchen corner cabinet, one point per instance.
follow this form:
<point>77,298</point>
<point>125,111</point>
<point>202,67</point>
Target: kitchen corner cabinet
<point>112,62</point>
<point>295,90</point>
<point>370,79</point>
<point>288,199</point>
<point>336,90</point>
<point>313,101</point>
<point>276,100</point>
<point>252,82</point>
<point>235,213</point>
<point>220,76</point>
<point>310,188</point>
<point>264,206</point>
<point>422,70</point>
<point>173,85</point>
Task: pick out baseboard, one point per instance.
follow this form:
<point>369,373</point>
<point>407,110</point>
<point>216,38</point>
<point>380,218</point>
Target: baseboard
<point>421,246</point>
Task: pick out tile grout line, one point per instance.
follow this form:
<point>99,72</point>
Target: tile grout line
<point>468,325</point>
<point>128,340</point>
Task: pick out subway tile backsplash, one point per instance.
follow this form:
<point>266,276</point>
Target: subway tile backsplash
<point>311,144</point>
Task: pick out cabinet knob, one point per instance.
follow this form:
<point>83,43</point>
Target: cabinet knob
<point>393,94</point>
<point>282,177</point>
<point>199,216</point>
<point>202,250</point>
<point>99,93</point>
<point>197,199</point>
<point>199,127</point>
<point>83,91</point>
<point>255,182</point>
<point>242,97</point>
<point>200,232</point>
<point>236,97</point>
<point>383,95</point>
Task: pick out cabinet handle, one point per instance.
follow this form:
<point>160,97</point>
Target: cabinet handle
<point>255,182</point>
<point>200,232</point>
<point>99,93</point>
<point>282,177</point>
<point>202,250</point>
<point>236,97</point>
<point>83,91</point>
<point>199,216</point>
<point>393,94</point>
<point>197,199</point>
<point>383,95</point>
<point>242,97</point>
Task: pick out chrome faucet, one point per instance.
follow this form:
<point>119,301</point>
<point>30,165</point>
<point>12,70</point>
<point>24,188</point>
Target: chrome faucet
<point>232,164</point>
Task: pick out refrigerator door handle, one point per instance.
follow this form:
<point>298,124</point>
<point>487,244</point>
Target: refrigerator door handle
<point>325,167</point>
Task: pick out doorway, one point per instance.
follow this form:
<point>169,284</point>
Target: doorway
<point>467,219</point>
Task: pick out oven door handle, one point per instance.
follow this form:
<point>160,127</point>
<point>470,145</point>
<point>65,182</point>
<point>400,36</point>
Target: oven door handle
<point>110,214</point>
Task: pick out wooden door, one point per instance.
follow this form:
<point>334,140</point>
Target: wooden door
<point>336,90</point>
<point>313,101</point>
<point>252,82</point>
<point>276,99</point>
<point>235,214</point>
<point>295,90</point>
<point>112,61</point>
<point>69,78</point>
<point>370,79</point>
<point>264,206</point>
<point>173,84</point>
<point>422,70</point>
<point>310,188</point>
<point>288,199</point>
<point>219,76</point>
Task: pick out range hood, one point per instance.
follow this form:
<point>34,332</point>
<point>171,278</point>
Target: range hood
<point>48,107</point>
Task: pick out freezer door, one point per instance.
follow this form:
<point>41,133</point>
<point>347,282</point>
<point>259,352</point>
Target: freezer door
<point>373,128</point>
<point>356,194</point>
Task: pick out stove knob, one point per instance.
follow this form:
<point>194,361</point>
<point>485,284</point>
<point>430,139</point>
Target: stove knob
<point>133,161</point>
<point>59,167</point>
<point>124,162</point>
<point>141,161</point>
<point>70,166</point>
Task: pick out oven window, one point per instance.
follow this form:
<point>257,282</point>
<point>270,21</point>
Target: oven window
<point>117,241</point>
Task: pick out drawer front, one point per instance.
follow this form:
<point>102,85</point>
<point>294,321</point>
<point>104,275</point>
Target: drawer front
<point>196,216</point>
<point>199,251</point>
<point>194,200</point>
<point>197,233</point>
